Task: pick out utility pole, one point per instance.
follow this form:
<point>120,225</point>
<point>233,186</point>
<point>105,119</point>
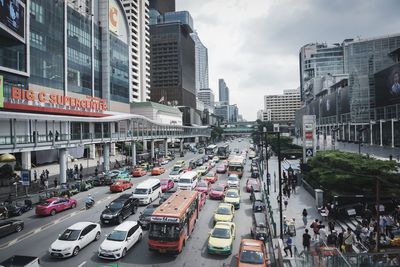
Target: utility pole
<point>280,185</point>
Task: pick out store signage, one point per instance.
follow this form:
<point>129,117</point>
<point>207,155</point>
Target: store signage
<point>164,219</point>
<point>113,16</point>
<point>90,103</point>
<point>25,177</point>
<point>309,133</point>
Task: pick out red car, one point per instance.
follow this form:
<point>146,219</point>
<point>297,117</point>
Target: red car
<point>120,185</point>
<point>202,200</point>
<point>138,172</point>
<point>217,192</point>
<point>55,204</point>
<point>249,183</point>
<point>221,168</point>
<point>166,184</point>
<point>211,177</point>
<point>203,187</point>
<point>157,170</point>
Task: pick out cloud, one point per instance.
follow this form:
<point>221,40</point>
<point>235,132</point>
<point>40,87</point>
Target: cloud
<point>254,45</point>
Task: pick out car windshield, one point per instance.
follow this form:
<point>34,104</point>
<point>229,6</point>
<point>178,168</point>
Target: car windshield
<point>221,233</point>
<point>164,182</point>
<point>252,257</point>
<point>45,203</point>
<point>148,212</point>
<point>117,183</point>
<point>69,235</point>
<point>164,231</point>
<point>231,194</point>
<point>218,188</point>
<point>185,181</point>
<point>211,174</point>
<point>224,211</point>
<point>174,172</point>
<point>115,205</point>
<point>141,191</point>
<point>202,184</point>
<point>232,178</point>
<point>117,236</point>
<point>221,167</point>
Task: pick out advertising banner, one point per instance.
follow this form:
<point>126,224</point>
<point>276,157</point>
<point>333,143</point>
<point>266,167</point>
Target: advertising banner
<point>113,11</point>
<point>12,16</point>
<point>25,176</point>
<point>309,134</point>
<point>328,105</point>
<point>387,86</point>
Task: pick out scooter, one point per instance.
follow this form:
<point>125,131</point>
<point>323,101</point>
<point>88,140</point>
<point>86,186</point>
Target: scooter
<point>89,204</point>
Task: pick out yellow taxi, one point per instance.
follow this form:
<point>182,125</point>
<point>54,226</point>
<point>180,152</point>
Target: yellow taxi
<point>202,170</point>
<point>224,213</point>
<point>232,196</point>
<point>221,238</point>
<point>179,163</point>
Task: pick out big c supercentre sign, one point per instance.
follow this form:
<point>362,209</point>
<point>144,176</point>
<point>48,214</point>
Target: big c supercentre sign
<point>21,99</point>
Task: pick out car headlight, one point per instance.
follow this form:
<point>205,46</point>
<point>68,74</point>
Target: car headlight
<point>65,249</point>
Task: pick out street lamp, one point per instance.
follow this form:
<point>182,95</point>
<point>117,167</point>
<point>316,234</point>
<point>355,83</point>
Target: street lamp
<point>266,158</point>
<point>360,131</point>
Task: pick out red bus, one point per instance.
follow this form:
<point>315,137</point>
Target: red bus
<point>173,221</point>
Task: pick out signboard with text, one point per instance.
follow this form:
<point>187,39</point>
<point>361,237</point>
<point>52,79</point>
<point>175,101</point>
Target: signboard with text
<point>309,133</point>
<point>25,177</point>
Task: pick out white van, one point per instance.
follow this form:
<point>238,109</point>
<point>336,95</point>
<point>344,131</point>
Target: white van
<point>188,180</point>
<point>147,191</point>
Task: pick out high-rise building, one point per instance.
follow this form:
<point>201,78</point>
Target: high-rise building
<point>228,113</point>
<point>233,113</point>
<point>201,63</point>
<point>172,59</point>
<point>137,12</point>
<point>163,6</point>
<point>317,60</point>
<point>223,92</point>
<point>282,108</point>
<point>206,95</point>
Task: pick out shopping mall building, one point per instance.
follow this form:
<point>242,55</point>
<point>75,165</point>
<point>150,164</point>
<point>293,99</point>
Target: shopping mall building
<point>65,79</point>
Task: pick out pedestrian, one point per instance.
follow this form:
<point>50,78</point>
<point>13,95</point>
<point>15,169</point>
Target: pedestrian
<point>46,183</point>
<point>35,175</point>
<point>57,135</point>
<point>306,240</point>
<point>81,168</point>
<point>80,176</point>
<point>288,246</point>
<point>51,135</point>
<point>315,226</point>
<point>348,239</point>
<point>285,225</point>
<point>55,182</point>
<point>322,234</point>
<point>340,241</point>
<point>304,214</point>
<point>331,225</point>
<point>332,239</point>
<point>293,187</point>
<point>96,172</point>
<point>288,191</point>
<point>47,174</point>
<point>285,202</point>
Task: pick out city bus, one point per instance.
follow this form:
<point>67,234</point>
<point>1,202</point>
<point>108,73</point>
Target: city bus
<point>173,221</point>
<point>223,151</point>
<point>236,165</point>
<point>211,151</point>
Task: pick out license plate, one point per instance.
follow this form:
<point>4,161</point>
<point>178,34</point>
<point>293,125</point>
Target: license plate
<point>163,250</point>
<point>106,221</point>
<point>57,254</point>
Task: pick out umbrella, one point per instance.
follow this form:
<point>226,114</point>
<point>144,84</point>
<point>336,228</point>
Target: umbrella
<point>7,158</point>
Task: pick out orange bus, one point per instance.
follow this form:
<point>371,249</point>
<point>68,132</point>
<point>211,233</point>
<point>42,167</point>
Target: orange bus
<point>173,221</point>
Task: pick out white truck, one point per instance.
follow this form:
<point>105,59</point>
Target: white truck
<point>21,261</point>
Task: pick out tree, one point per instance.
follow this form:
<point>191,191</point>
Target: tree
<point>216,133</point>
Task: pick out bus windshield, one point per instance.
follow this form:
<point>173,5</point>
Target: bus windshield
<point>164,232</point>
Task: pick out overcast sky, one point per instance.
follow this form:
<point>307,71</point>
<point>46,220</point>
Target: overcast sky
<point>254,44</point>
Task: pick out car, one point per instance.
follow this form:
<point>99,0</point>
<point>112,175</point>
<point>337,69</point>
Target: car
<point>255,174</point>
<point>203,186</point>
<point>113,174</point>
<point>124,174</point>
<point>120,185</point>
<point>206,158</point>
<point>179,163</point>
<point>236,150</point>
<point>144,218</point>
<point>252,253</point>
<point>175,174</point>
<point>221,168</point>
<point>217,192</point>
<point>11,226</point>
<point>255,188</point>
<point>119,209</point>
<point>215,159</point>
<point>157,170</point>
<point>233,181</point>
<point>17,208</point>
<point>259,228</point>
<point>74,239</point>
<point>232,196</point>
<point>211,177</point>
<point>164,161</point>
<point>202,200</point>
<point>221,238</point>
<point>139,172</point>
<point>166,184</point>
<point>258,206</point>
<point>199,162</point>
<point>224,213</point>
<point>202,170</point>
<point>201,150</point>
<point>54,205</point>
<point>249,183</point>
<point>120,240</point>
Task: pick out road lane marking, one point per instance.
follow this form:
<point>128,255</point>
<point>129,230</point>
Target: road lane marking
<point>83,263</point>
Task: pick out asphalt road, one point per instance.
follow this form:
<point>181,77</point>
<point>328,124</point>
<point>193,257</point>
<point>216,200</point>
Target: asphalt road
<point>40,232</point>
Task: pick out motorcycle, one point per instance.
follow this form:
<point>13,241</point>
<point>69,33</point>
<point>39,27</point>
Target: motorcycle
<point>89,204</point>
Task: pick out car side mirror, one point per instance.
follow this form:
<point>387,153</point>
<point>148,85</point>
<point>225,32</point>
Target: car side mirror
<point>107,206</point>
<point>81,237</point>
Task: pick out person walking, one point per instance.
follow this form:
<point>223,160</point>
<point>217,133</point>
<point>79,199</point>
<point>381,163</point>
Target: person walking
<point>81,168</point>
<point>315,226</point>
<point>47,174</point>
<point>46,183</point>
<point>288,246</point>
<point>348,239</point>
<point>57,135</point>
<point>322,234</point>
<point>304,215</point>
<point>306,240</point>
<point>341,240</point>
<point>35,175</point>
<point>55,182</point>
<point>331,225</point>
<point>51,135</point>
<point>285,202</point>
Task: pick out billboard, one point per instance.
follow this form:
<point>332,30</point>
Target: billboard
<point>344,100</point>
<point>12,17</point>
<point>117,23</point>
<point>113,15</point>
<point>328,105</point>
<point>387,86</point>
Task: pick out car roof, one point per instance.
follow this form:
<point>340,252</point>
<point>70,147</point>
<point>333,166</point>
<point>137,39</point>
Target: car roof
<point>120,180</point>
<point>260,219</point>
<point>232,190</point>
<point>252,244</point>
<point>223,204</point>
<point>80,225</point>
<point>125,226</point>
<point>225,225</point>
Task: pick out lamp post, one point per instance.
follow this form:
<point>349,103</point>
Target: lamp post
<point>266,158</point>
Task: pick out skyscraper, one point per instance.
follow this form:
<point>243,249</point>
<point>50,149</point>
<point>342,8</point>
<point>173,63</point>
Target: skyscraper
<point>137,12</point>
<point>201,63</point>
<point>223,92</point>
<point>206,95</point>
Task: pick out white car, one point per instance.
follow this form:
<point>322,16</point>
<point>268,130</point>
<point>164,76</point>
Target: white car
<point>121,239</point>
<point>233,181</point>
<point>175,174</point>
<point>75,238</point>
<point>215,159</point>
<point>164,161</point>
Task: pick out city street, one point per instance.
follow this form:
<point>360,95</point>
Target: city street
<point>39,232</point>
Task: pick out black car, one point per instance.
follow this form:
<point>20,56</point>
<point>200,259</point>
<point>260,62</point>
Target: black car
<point>258,206</point>
<point>119,209</point>
<point>10,226</point>
<point>206,159</point>
<point>259,228</point>
<point>144,218</point>
<point>255,174</point>
<point>16,209</point>
<point>199,162</point>
<point>201,151</point>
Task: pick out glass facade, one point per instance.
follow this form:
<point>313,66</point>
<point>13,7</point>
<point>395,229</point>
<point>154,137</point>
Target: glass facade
<point>47,43</point>
<point>13,54</point>
<point>119,63</point>
<point>79,53</point>
<point>97,62</point>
